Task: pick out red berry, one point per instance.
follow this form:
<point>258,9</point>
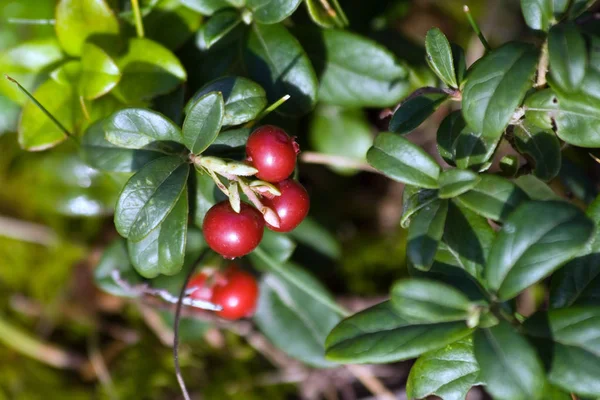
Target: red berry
<point>238,295</point>
<point>272,152</point>
<point>233,234</point>
<point>291,207</point>
<point>202,289</point>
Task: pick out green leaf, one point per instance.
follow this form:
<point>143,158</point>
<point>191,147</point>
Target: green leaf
<point>325,18</point>
<point>315,236</point>
<point>149,196</point>
<point>275,60</point>
<point>427,301</point>
<point>343,132</point>
<point>170,23</point>
<point>567,56</point>
<point>28,63</point>
<point>221,23</point>
<point>425,232</point>
<point>403,161</point>
<point>163,250</point>
<point>415,110</point>
<point>204,198</point>
<point>537,107</point>
<point>468,238</point>
<point>493,197</point>
<point>439,56</point>
<point>231,142</point>
<point>105,156</point>
<point>294,321</point>
<point>203,122</point>
<point>575,370</point>
<point>36,130</point>
<point>447,136</point>
<point>460,63</point>
<point>78,20</point>
<point>137,128</point>
<point>355,71</point>
<point>496,86</point>
<point>380,334</point>
<point>454,182</point>
<point>535,241</point>
<point>206,7</point>
<point>115,258</point>
<point>448,373</point>
<point>541,147</point>
<point>244,99</point>
<point>99,73</point>
<point>147,70</point>
<point>509,365</point>
<point>413,199</point>
<point>538,14</point>
<point>277,245</point>
<point>272,11</point>
<point>535,188</point>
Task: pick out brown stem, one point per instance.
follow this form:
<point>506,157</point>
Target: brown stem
<point>542,69</point>
<point>331,160</point>
<point>371,382</point>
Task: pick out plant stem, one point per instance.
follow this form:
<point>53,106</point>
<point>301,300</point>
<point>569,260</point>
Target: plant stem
<point>267,111</point>
<point>27,231</point>
<point>311,157</point>
<point>542,69</point>
<point>26,21</point>
<point>139,26</point>
<point>475,27</point>
<point>371,382</point>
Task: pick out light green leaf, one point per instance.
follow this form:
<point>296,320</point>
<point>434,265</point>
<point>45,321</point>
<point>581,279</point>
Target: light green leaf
<point>206,7</point>
<point>203,122</point>
<point>99,73</point>
<point>221,23</point>
<point>424,234</point>
<point>535,188</point>
<point>439,56</point>
<point>404,161</point>
<point>538,14</point>
<point>541,147</point>
<point>115,258</point>
<point>415,110</point>
<point>567,56</point>
<point>279,246</point>
<point>324,17</point>
<point>272,11</point>
<point>137,128</point>
<point>454,182</point>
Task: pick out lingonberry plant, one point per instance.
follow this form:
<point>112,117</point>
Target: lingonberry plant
<point>192,133</point>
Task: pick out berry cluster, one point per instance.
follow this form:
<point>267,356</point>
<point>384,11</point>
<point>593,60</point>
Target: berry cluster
<point>282,202</point>
<point>233,289</point>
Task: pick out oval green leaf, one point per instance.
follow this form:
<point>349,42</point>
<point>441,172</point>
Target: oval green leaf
<point>541,147</point>
<point>315,236</point>
<point>272,11</point>
<point>439,56</point>
<point>538,14</point>
<point>413,199</point>
<point>221,23</point>
<point>415,110</point>
<point>567,56</point>
<point>206,7</point>
<point>203,122</point>
<point>99,73</point>
<point>454,182</point>
<point>136,128</point>
<point>424,234</point>
<point>324,17</point>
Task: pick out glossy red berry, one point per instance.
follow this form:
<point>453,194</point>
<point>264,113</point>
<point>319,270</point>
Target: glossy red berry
<point>202,289</point>
<point>272,152</point>
<point>233,234</point>
<point>238,294</point>
<point>291,207</point>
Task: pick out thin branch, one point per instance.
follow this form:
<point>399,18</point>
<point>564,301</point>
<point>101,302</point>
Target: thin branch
<point>476,28</point>
<point>27,21</point>
<point>542,69</point>
<point>371,382</point>
<point>99,366</point>
<point>27,231</point>
<point>331,160</point>
<point>139,26</point>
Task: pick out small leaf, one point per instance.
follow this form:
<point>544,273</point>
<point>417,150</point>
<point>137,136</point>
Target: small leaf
<point>115,258</point>
<point>454,182</point>
<point>439,56</point>
<point>567,56</point>
<point>278,245</point>
<point>272,11</point>
<point>415,110</point>
<point>495,88</point>
<point>448,373</point>
<point>170,23</point>
<point>206,7</point>
<point>99,73</point>
<point>203,122</point>
<point>538,14</point>
<point>221,23</point>
<point>147,70</point>
<point>535,188</point>
<point>447,136</point>
<point>163,250</point>
<point>149,196</point>
<point>541,147</point>
<point>315,236</point>
<point>105,156</point>
<point>424,234</point>
<point>230,142</point>
<point>509,365</point>
<point>404,161</point>
<point>380,335</point>
<point>426,301</point>
<point>244,99</point>
<point>493,197</point>
<point>330,16</point>
<point>275,60</point>
<point>414,199</point>
<point>78,20</point>
<point>136,128</point>
<point>535,240</point>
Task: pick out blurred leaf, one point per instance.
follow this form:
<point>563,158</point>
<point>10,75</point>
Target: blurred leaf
<point>149,196</point>
<point>78,20</point>
<point>315,236</point>
<point>204,197</point>
<point>509,365</point>
<point>538,14</point>
<point>9,115</point>
<point>139,128</point>
<point>293,320</point>
<point>67,73</point>
<point>380,335</point>
<point>415,110</point>
<point>454,182</point>
<point>343,132</point>
<point>203,122</point>
<point>206,7</point>
<point>327,17</point>
<point>271,11</point>
<point>535,188</point>
<point>148,69</point>
<point>493,197</point>
<point>535,241</point>
<point>171,24</point>
<point>115,257</point>
<point>567,56</point>
<point>163,250</point>
<point>425,232</point>
<point>99,73</point>
<point>413,199</point>
<point>221,23</point>
<point>439,56</point>
<point>29,63</point>
<point>436,373</point>
<point>495,88</point>
<point>541,147</point>
<point>277,245</point>
<point>275,59</point>
<point>577,181</point>
<point>403,161</point>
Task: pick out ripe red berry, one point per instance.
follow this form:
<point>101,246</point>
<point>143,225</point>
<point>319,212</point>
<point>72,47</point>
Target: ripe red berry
<point>233,234</point>
<point>202,289</point>
<point>291,207</point>
<point>272,152</point>
<point>238,294</point>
